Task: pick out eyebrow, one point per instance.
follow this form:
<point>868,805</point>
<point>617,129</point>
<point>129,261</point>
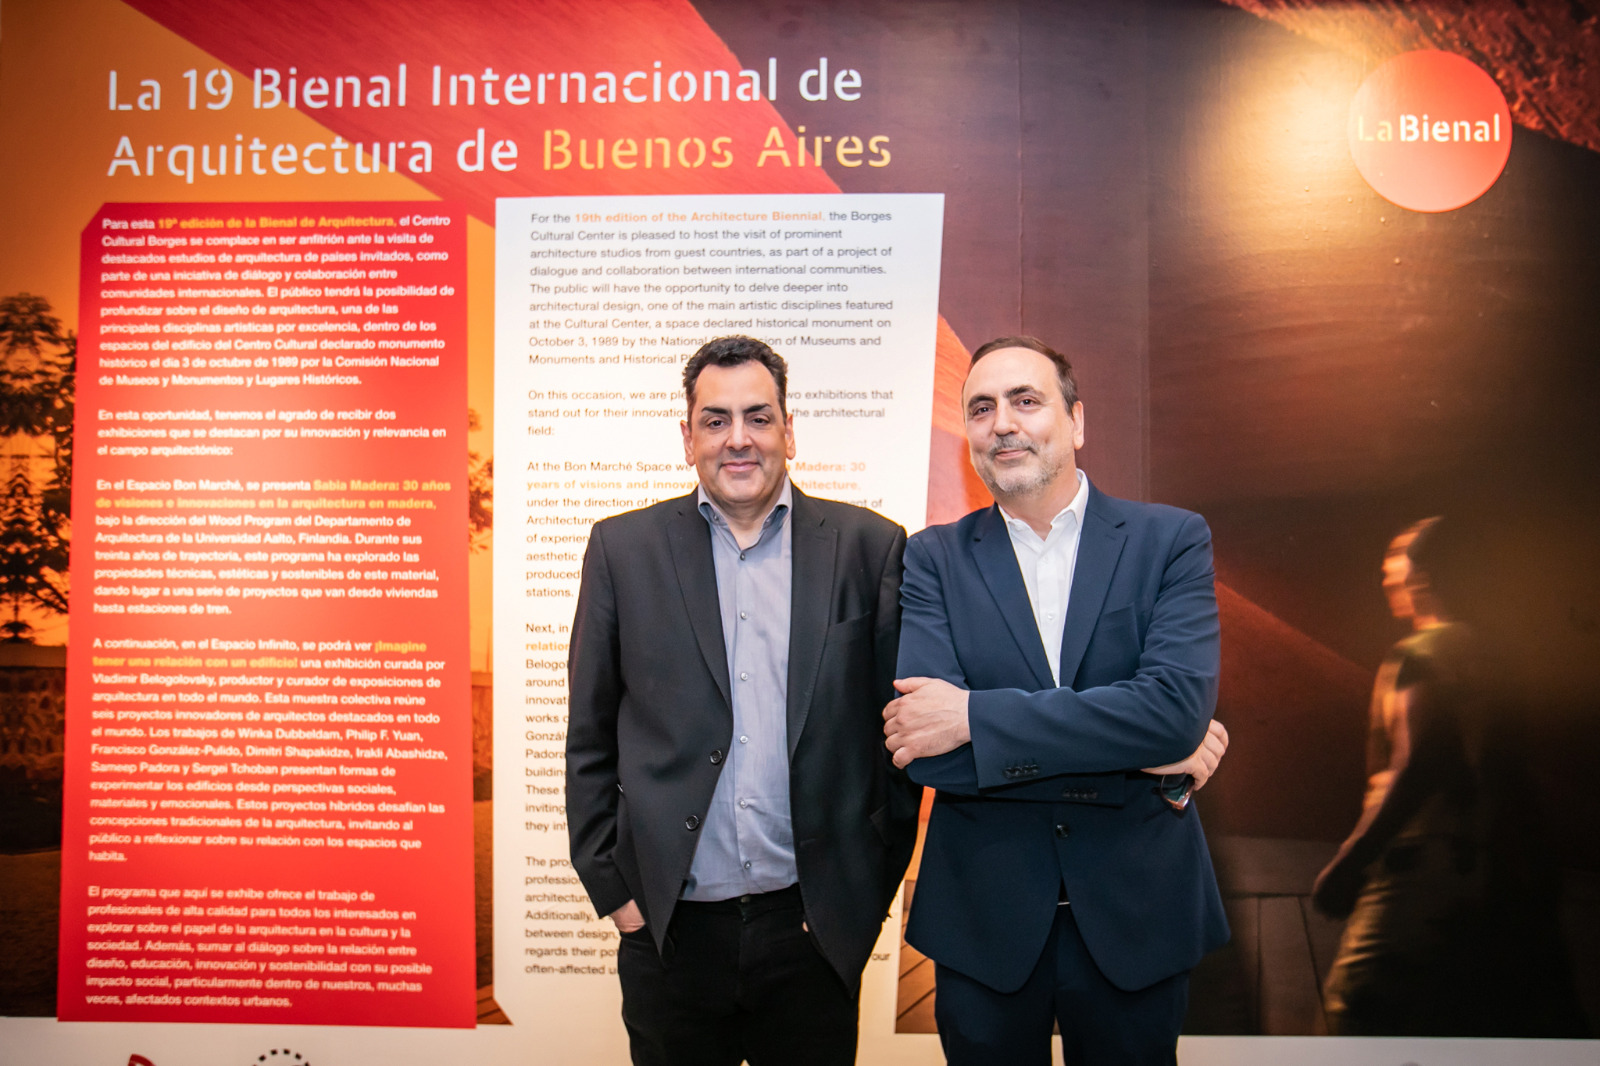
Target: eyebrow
<point>1011,394</point>
<point>752,409</point>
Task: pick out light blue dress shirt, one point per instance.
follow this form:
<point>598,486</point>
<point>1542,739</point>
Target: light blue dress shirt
<point>747,842</point>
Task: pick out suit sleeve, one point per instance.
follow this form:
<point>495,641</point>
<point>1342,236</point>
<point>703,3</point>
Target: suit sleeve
<point>927,649</point>
<point>594,694</point>
<point>1158,715</point>
<point>905,795</point>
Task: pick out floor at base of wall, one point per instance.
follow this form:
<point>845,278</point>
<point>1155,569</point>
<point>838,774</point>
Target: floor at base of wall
<point>1267,980</point>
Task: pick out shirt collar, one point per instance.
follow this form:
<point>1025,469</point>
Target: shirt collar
<point>780,508</point>
<point>1079,504</point>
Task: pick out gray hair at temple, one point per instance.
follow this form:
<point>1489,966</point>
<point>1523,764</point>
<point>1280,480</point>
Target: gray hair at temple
<point>1064,376</point>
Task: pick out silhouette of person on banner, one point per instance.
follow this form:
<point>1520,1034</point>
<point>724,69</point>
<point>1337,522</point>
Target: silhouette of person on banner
<point>1451,899</point>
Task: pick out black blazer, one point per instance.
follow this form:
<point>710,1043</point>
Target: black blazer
<point>651,718</point>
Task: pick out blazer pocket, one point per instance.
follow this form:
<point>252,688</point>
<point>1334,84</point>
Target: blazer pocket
<point>850,628</point>
<point>850,633</point>
<point>1114,648</point>
<point>1121,617</point>
<point>880,821</point>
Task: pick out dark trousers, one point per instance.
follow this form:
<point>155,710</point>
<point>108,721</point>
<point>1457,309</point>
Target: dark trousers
<point>740,980</point>
<point>1101,1025</point>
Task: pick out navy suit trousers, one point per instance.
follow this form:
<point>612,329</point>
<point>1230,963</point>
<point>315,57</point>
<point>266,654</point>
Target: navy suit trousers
<point>1101,1025</point>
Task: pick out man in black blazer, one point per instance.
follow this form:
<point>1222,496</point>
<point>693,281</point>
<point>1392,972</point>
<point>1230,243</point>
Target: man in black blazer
<point>729,801</point>
<point>1051,646</point>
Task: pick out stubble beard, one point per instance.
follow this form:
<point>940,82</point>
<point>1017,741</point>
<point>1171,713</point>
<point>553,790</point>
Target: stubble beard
<point>1018,483</point>
<point>753,486</point>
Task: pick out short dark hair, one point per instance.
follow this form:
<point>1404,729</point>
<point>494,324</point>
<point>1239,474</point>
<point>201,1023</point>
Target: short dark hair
<point>1435,551</point>
<point>1419,542</point>
<point>734,351</point>
<point>1064,375</point>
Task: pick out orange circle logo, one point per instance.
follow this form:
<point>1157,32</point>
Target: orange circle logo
<point>1430,131</point>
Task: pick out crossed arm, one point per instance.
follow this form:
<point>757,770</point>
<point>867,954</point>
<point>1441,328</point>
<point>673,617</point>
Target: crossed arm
<point>930,718</point>
<point>961,741</point>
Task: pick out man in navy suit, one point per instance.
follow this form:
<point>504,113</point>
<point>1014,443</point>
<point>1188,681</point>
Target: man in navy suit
<point>1050,647</point>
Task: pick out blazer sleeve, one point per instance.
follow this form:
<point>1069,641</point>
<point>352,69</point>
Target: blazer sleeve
<point>594,695</point>
<point>1158,715</point>
<point>905,795</point>
<point>928,649</point>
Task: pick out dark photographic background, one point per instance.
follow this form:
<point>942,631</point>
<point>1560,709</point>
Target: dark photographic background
<point>1164,190</point>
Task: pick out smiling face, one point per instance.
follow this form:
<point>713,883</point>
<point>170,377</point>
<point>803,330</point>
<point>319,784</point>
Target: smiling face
<point>1021,435</point>
<point>738,439</point>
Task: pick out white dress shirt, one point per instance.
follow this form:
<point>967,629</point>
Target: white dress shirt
<point>1047,564</point>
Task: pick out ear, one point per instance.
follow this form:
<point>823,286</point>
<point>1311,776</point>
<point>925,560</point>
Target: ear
<point>1077,425</point>
<point>688,448</point>
<point>788,436</point>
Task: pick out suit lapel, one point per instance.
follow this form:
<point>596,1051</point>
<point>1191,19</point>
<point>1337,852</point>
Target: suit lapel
<point>814,545</point>
<point>690,538</point>
<point>1099,548</point>
<point>997,562</point>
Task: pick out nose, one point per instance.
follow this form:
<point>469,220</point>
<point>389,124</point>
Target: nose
<point>1004,419</point>
<point>738,435</point>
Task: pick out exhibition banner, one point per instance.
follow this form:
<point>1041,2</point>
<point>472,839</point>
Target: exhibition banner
<point>282,287</point>
<point>597,299</point>
<point>266,812</point>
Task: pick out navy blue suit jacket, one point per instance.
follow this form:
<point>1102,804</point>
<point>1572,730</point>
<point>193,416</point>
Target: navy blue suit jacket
<point>1048,791</point>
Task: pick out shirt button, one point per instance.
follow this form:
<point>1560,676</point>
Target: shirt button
<point>744,740</point>
<point>744,676</point>
<point>716,757</point>
<point>744,803</point>
<point>747,865</point>
<point>741,557</point>
<point>743,615</point>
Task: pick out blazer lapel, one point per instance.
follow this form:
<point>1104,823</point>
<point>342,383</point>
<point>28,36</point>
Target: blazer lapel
<point>814,545</point>
<point>997,562</point>
<point>1099,548</point>
<point>690,538</point>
